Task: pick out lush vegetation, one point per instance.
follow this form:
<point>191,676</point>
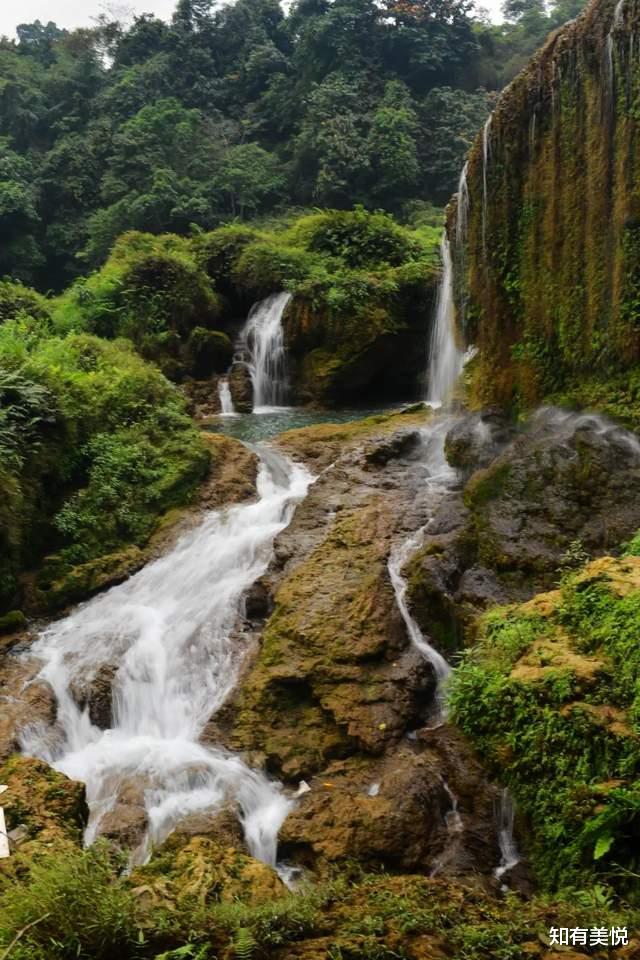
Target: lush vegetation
<point>551,697</point>
<point>235,111</point>
<point>78,904</point>
<point>94,444</point>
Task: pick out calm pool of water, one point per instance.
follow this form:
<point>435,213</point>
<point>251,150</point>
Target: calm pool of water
<point>268,422</point>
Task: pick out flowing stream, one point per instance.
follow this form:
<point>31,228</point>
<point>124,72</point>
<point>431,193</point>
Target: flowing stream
<point>262,338</point>
<point>167,634</point>
<point>440,479</point>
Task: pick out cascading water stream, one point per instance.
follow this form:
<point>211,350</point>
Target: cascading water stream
<point>440,480</point>
<point>263,340</point>
<point>445,357</point>
<point>167,632</point>
<point>227,408</point>
<point>486,156</point>
<point>509,856</point>
<point>610,46</point>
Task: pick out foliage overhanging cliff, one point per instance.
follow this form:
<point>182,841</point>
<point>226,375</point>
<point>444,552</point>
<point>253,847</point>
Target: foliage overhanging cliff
<point>551,260</point>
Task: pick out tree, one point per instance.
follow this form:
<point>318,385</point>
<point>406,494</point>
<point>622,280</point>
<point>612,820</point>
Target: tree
<point>392,146</point>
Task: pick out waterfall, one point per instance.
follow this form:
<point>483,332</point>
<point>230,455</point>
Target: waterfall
<point>168,634</point>
<point>445,357</point>
<point>609,65</point>
<point>509,856</point>
<point>263,340</point>
<point>462,224</point>
<point>227,408</point>
<point>440,478</point>
<point>486,156</point>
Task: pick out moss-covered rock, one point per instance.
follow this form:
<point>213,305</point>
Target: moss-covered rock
<point>551,251</point>
<point>334,673</point>
<point>550,697</point>
<point>43,810</point>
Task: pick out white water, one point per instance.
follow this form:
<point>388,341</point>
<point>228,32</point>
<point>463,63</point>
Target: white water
<point>227,408</point>
<point>445,357</point>
<point>462,225</point>
<point>610,44</point>
<point>486,156</point>
<point>440,479</point>
<point>169,631</point>
<point>263,339</point>
<point>509,856</point>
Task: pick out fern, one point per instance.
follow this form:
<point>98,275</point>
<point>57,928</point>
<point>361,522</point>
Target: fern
<point>244,944</point>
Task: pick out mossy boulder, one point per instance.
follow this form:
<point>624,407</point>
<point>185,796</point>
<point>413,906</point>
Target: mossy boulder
<point>43,809</point>
<point>335,673</point>
<point>203,870</point>
<point>549,695</point>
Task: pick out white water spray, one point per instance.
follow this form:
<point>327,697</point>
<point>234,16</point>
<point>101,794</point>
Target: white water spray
<point>227,408</point>
<point>168,631</point>
<point>509,856</point>
<point>441,477</point>
<point>263,340</point>
<point>445,357</point>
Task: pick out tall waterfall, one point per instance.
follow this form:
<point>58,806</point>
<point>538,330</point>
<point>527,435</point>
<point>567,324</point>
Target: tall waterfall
<point>440,478</point>
<point>445,357</point>
<point>486,156</point>
<point>227,408</point>
<point>263,339</point>
<point>168,634</point>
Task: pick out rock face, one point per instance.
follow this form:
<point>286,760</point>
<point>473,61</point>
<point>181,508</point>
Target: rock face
<point>43,810</point>
<point>551,259</point>
<point>337,695</point>
<point>561,489</point>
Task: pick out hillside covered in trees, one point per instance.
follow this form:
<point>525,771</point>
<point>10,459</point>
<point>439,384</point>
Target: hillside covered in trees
<point>237,112</point>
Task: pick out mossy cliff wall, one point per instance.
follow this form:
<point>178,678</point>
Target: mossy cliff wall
<point>551,261</point>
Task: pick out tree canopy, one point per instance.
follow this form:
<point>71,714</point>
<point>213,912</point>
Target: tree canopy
<point>238,111</point>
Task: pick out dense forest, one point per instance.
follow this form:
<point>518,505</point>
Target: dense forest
<point>238,112</point>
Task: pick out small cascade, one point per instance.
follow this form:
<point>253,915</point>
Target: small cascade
<point>167,635</point>
<point>445,357</point>
<point>455,830</point>
<point>610,47</point>
<point>440,479</point>
<point>262,340</point>
<point>509,856</point>
<point>227,408</point>
<point>462,207</point>
<point>486,157</point>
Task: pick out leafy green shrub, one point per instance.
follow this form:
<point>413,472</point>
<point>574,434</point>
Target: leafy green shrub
<point>553,704</point>
<point>96,445</point>
<point>358,238</point>
<point>16,300</point>
<point>208,351</point>
<point>150,290</point>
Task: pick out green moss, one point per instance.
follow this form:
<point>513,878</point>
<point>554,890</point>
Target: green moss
<point>551,265</point>
<point>12,621</point>
<point>551,697</point>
